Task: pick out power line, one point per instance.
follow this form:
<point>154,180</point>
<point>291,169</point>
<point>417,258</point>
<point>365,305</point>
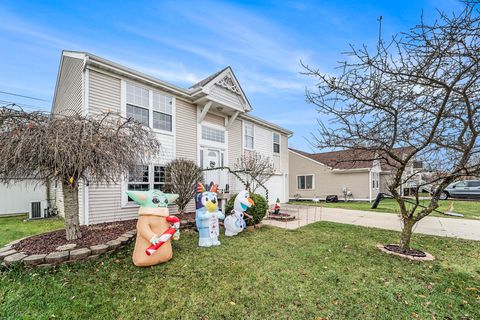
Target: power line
<point>20,95</point>
<point>23,105</point>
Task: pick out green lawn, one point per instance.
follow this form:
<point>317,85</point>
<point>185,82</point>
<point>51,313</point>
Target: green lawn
<point>321,271</point>
<point>470,209</point>
<point>12,228</point>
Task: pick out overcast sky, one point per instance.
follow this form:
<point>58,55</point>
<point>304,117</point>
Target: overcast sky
<point>182,42</point>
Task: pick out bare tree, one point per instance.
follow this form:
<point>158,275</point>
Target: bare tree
<point>181,178</point>
<point>258,169</point>
<point>419,92</point>
<point>71,149</point>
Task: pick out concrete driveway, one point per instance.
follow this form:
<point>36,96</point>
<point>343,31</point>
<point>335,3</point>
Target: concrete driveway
<point>444,227</point>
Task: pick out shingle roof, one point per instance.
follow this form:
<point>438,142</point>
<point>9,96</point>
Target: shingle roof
<point>349,159</point>
<point>208,79</point>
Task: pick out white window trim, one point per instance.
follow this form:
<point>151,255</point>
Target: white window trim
<point>124,184</point>
<point>244,124</point>
<point>279,143</point>
<point>123,101</point>
<point>304,175</point>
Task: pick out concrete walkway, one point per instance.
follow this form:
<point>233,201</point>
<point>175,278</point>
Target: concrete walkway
<point>444,227</point>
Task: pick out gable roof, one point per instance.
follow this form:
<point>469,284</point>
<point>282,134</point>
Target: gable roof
<point>214,79</point>
<point>190,94</point>
<point>203,82</point>
<point>350,159</point>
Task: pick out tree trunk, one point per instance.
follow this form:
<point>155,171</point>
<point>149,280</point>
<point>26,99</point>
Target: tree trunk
<point>70,202</point>
<point>406,233</point>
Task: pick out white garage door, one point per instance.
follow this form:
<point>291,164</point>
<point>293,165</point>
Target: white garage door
<point>276,189</point>
<point>16,197</point>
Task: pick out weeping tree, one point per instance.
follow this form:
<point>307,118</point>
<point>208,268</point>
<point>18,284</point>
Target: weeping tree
<point>257,169</point>
<point>418,91</point>
<point>182,176</point>
<point>71,150</point>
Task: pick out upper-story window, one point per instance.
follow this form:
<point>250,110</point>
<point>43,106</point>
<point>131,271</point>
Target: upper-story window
<point>212,134</point>
<point>162,112</point>
<point>156,113</point>
<point>249,135</point>
<point>137,104</point>
<point>276,143</point>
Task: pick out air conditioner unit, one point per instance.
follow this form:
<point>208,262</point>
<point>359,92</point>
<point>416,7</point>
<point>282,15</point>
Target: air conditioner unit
<point>38,209</point>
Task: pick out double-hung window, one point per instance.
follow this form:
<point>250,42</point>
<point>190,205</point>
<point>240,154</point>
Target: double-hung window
<point>305,182</point>
<point>146,177</point>
<point>248,135</point>
<point>138,104</point>
<point>150,108</point>
<point>162,112</point>
<point>276,143</point>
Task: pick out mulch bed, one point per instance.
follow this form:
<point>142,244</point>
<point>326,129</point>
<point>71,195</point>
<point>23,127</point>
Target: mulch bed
<point>91,235</point>
<point>410,252</point>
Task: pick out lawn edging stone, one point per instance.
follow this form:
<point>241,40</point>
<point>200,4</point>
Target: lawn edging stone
<point>14,258</point>
<point>80,254</point>
<point>7,253</point>
<point>65,254</point>
<point>34,259</point>
<point>99,249</point>
<point>57,257</point>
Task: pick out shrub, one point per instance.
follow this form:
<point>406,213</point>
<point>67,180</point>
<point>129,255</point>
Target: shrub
<point>181,178</point>
<point>257,211</point>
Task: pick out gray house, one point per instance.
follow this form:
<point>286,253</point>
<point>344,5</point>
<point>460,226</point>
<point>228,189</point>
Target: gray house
<point>209,123</point>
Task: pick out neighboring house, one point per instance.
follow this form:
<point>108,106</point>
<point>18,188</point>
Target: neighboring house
<point>208,123</point>
<point>16,197</point>
<point>316,175</point>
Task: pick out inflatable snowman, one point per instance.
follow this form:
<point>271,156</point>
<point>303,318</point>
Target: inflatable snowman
<point>234,223</point>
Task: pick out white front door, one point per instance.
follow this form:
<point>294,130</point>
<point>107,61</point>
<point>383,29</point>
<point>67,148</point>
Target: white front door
<point>213,158</point>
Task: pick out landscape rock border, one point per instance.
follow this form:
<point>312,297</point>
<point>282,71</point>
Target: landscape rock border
<point>428,256</point>
<point>10,257</point>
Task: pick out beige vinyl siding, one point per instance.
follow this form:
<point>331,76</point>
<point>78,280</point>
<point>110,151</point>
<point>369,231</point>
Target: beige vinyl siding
<point>186,138</point>
<point>385,180</point>
<point>105,204</point>
<point>214,119</point>
<point>59,199</point>
<point>326,182</point>
<point>186,126</point>
<point>68,94</point>
<point>227,97</point>
<point>105,200</point>
<point>104,93</point>
<point>283,153</point>
<point>235,142</point>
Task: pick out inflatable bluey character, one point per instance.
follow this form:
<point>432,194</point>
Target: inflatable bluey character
<point>207,215</point>
<point>235,223</point>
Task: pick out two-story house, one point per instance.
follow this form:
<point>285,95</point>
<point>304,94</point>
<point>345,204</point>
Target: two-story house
<point>208,123</point>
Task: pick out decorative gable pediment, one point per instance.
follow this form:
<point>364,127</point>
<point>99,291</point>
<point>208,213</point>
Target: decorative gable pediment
<point>228,83</point>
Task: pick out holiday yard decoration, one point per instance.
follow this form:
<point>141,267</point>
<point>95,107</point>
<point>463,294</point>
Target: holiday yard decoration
<point>207,215</point>
<point>235,223</point>
<point>155,227</point>
<point>71,150</point>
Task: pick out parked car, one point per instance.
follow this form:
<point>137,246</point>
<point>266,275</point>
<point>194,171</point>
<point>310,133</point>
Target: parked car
<point>462,189</point>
